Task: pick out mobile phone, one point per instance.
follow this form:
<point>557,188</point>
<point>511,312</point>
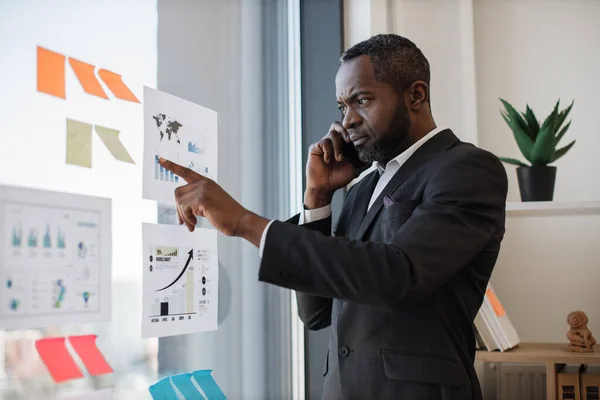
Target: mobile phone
<point>350,154</point>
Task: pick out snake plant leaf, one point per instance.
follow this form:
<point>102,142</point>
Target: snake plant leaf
<point>562,116</point>
<point>532,122</point>
<point>537,141</point>
<point>561,152</point>
<point>544,147</point>
<point>521,137</point>
<point>562,132</point>
<point>515,116</point>
<point>513,161</point>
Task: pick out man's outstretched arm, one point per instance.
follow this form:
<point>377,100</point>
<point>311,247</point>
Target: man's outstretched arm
<point>463,207</point>
<point>314,311</point>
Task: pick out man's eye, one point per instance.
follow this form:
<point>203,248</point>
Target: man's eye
<point>362,101</point>
<point>342,108</point>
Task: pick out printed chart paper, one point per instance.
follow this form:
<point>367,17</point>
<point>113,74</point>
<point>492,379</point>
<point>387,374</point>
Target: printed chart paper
<point>180,131</point>
<point>180,285</point>
<point>55,257</point>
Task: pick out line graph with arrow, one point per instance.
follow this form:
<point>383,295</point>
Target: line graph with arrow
<point>174,282</point>
<point>187,263</point>
<point>180,281</point>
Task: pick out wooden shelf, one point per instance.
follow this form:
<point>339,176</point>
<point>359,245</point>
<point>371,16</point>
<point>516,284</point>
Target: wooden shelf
<point>552,208</point>
<point>540,353</point>
<point>550,354</point>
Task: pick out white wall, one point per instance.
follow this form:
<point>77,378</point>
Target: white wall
<point>536,52</point>
<point>435,27</point>
<point>547,268</point>
<point>357,23</point>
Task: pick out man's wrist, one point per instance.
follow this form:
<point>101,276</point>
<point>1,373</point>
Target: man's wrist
<point>314,199</point>
<point>251,227</point>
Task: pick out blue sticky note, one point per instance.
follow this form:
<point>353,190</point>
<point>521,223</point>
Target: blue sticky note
<point>163,390</point>
<point>183,383</point>
<point>208,385</point>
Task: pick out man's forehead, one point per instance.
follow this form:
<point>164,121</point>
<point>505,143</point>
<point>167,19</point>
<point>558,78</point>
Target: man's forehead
<point>354,74</point>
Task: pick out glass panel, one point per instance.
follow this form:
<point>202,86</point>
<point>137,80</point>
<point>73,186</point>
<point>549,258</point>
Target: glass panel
<point>72,74</point>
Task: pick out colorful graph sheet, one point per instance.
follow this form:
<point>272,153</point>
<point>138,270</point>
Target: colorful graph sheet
<point>180,285</point>
<point>56,258</point>
<point>182,132</point>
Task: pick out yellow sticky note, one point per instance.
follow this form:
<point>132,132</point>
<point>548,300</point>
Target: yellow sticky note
<point>79,143</point>
<point>110,138</point>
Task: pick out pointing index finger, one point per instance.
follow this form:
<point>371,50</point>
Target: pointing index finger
<point>185,173</point>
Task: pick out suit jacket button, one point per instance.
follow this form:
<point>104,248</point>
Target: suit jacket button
<point>344,351</point>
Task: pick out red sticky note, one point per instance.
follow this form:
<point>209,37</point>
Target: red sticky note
<point>57,359</point>
<point>90,355</point>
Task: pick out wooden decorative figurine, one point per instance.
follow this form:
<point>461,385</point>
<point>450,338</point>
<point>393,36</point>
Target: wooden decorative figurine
<point>580,337</point>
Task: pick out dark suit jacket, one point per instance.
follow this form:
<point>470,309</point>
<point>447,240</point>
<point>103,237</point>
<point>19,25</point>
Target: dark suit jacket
<point>401,285</point>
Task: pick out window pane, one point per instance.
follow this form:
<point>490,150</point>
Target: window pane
<point>229,56</point>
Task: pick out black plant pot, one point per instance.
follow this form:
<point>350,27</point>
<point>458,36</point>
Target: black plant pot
<point>536,183</point>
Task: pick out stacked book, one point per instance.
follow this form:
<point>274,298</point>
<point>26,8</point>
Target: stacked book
<point>493,328</point>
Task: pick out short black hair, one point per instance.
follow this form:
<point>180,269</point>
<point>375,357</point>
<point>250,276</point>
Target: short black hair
<point>396,60</point>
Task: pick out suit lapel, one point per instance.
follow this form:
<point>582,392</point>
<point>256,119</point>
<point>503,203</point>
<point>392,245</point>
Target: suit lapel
<point>437,144</point>
<point>365,190</point>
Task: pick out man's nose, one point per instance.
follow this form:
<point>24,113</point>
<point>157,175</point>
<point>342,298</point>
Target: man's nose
<point>351,119</point>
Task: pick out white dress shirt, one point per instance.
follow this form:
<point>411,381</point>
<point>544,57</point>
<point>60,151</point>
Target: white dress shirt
<point>386,174</point>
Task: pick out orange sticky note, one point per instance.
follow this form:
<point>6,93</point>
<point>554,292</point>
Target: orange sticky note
<point>117,86</point>
<point>56,357</point>
<point>87,78</point>
<point>496,305</point>
<point>90,355</point>
<point>50,72</point>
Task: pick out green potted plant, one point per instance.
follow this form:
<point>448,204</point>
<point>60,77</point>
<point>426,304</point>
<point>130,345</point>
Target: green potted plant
<point>539,145</point>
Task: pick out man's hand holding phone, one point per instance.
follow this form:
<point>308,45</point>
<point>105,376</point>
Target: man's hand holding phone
<point>330,166</point>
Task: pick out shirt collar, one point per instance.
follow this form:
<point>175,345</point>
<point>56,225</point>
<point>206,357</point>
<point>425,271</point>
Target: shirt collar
<point>405,155</point>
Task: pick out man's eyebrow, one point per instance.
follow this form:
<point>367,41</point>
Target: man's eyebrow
<point>354,95</point>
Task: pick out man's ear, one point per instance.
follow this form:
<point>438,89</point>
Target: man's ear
<point>417,95</point>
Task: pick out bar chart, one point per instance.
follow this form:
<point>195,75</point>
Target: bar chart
<point>17,234</point>
<point>163,174</point>
<point>180,302</point>
<point>32,238</point>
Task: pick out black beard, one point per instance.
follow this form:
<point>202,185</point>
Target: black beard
<point>388,144</point>
<point>371,154</point>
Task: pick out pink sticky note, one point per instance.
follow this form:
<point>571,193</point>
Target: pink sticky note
<point>90,355</point>
<point>57,359</point>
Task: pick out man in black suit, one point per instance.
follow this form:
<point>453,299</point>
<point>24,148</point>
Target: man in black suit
<point>404,273</point>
